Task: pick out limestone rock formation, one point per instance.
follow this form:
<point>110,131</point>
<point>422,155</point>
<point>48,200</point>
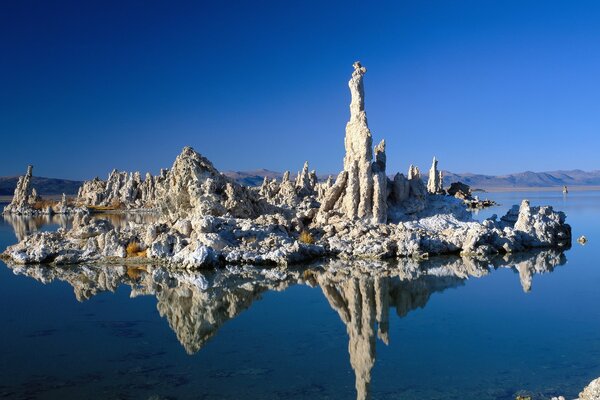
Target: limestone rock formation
<point>291,194</point>
<point>26,200</point>
<point>435,181</point>
<point>541,226</point>
<point>24,196</point>
<point>365,190</point>
<point>191,186</point>
<point>207,219</point>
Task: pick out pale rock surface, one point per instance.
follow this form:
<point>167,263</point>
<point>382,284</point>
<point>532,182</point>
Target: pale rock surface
<point>364,194</point>
<point>24,195</point>
<point>435,180</point>
<point>592,391</point>
<point>25,198</point>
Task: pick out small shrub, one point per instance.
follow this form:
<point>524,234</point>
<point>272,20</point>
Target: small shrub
<point>113,206</point>
<point>306,237</point>
<point>134,249</point>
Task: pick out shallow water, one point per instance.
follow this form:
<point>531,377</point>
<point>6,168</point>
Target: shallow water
<point>453,330</point>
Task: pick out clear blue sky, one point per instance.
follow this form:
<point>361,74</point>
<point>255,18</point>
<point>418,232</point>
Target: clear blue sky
<point>486,86</point>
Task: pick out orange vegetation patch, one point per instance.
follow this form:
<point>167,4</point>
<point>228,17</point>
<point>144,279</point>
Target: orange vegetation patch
<point>115,205</point>
<point>306,237</point>
<point>42,204</point>
<point>134,249</point>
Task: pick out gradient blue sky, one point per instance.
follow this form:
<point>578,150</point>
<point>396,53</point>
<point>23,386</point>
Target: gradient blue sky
<point>486,86</point>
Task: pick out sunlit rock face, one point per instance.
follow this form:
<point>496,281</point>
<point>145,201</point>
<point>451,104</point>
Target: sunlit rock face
<point>24,195</point>
<point>435,179</point>
<point>361,190</point>
<point>27,202</point>
<point>191,186</point>
<point>541,226</point>
<point>196,305</point>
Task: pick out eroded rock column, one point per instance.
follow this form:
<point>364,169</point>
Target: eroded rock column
<point>364,191</point>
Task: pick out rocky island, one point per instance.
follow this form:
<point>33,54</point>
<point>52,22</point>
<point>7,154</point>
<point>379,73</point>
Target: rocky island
<point>206,219</point>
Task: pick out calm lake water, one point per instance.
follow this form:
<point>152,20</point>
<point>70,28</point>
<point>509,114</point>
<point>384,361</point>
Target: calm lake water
<point>442,330</point>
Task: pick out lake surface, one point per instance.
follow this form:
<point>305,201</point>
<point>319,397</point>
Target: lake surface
<point>446,329</point>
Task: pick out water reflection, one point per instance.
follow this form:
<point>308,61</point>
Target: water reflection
<point>196,304</point>
<point>26,225</point>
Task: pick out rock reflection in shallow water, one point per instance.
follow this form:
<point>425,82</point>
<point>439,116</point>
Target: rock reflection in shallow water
<point>197,304</point>
<point>25,225</point>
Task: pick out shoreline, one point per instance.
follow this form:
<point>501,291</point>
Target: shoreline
<point>557,189</point>
<point>583,188</point>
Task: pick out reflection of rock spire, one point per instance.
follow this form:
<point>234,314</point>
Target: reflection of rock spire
<point>195,315</point>
<point>529,263</point>
<point>364,300</point>
<point>525,276</point>
<point>382,302</point>
<point>197,304</point>
<point>354,300</point>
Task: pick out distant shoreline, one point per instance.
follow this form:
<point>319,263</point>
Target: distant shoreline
<point>558,189</point>
<point>8,199</point>
<point>537,189</point>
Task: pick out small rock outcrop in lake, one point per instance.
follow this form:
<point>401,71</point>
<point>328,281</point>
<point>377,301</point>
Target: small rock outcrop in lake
<point>463,191</point>
<point>24,196</point>
<point>207,219</point>
<point>26,200</point>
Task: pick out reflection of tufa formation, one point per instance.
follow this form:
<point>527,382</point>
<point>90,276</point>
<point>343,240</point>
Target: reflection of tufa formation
<point>197,304</point>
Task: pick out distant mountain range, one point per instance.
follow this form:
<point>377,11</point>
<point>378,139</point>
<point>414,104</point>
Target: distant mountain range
<point>44,186</point>
<point>528,179</point>
<point>254,177</point>
<point>519,180</point>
